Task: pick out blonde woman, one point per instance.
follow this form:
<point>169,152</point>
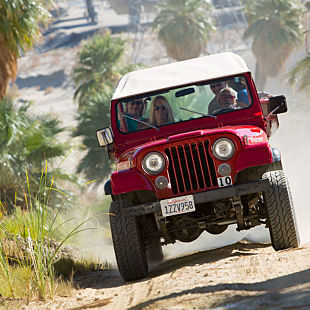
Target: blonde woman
<point>160,113</point>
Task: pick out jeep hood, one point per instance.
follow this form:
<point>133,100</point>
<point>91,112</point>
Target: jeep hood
<point>247,135</point>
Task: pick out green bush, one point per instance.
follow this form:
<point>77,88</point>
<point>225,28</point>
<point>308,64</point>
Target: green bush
<point>95,164</point>
<point>27,143</point>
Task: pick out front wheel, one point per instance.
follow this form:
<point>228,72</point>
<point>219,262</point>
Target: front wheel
<point>128,247</point>
<point>280,212</point>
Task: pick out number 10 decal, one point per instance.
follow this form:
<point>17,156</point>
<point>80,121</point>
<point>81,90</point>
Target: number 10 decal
<point>224,181</point>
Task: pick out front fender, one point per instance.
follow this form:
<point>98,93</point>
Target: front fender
<point>128,181</point>
<point>254,155</point>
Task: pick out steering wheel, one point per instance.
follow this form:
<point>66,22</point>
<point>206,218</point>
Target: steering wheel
<point>220,111</point>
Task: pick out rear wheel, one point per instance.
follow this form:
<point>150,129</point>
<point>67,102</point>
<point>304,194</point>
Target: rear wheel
<point>155,251</point>
<point>129,250</point>
<point>280,212</point>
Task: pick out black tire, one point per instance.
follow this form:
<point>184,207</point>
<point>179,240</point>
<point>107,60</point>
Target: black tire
<point>129,251</point>
<point>280,212</point>
<point>155,252</point>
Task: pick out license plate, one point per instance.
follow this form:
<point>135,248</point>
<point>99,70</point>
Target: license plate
<point>178,205</point>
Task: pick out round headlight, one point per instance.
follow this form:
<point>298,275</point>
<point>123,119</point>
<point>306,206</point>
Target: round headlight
<point>153,163</point>
<point>223,149</point>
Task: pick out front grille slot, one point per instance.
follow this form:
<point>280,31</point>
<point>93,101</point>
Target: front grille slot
<point>191,167</point>
<point>192,170</point>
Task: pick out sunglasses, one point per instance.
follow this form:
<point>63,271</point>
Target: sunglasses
<point>136,102</point>
<point>218,85</point>
<point>157,108</point>
<point>228,97</point>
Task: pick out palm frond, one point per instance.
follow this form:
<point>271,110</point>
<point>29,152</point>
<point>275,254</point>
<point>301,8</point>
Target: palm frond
<point>95,164</point>
<point>300,73</point>
<point>276,29</point>
<point>26,142</point>
<point>96,65</point>
<point>183,27</point>
<point>20,23</point>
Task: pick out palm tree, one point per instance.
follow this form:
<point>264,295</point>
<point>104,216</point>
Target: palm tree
<point>26,143</point>
<point>19,27</point>
<point>134,12</point>
<point>95,164</point>
<point>184,27</point>
<point>276,29</point>
<point>98,68</point>
<point>97,65</point>
<point>300,73</point>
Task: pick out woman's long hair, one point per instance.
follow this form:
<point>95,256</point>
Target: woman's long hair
<point>165,103</point>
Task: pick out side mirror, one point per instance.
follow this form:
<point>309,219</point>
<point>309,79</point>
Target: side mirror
<point>105,136</point>
<point>277,105</point>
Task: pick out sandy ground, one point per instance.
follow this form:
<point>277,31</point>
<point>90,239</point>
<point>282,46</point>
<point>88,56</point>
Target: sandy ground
<point>239,276</point>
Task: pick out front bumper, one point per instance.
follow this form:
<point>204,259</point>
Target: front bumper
<point>199,198</point>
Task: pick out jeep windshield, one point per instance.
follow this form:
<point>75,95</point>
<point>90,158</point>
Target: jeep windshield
<point>200,100</point>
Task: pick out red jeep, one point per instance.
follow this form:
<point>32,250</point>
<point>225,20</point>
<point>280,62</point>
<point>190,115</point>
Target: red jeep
<point>182,168</point>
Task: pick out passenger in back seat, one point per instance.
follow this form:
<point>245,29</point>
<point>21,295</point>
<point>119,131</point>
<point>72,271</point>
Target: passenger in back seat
<point>227,98</point>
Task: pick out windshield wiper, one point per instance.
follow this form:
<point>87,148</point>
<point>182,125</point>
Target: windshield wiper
<point>198,113</point>
<point>144,123</point>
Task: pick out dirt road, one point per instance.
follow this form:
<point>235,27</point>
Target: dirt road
<point>239,276</point>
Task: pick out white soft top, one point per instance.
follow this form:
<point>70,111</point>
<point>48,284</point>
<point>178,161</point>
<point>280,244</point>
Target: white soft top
<point>179,74</point>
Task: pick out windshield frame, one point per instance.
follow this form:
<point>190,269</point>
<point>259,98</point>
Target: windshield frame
<point>165,91</point>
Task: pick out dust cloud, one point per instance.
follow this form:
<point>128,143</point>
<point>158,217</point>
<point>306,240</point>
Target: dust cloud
<point>93,242</point>
<point>292,139</point>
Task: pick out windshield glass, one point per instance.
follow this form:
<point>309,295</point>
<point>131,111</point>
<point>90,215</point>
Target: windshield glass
<point>207,99</point>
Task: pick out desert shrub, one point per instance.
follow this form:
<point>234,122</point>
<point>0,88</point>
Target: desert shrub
<point>27,143</point>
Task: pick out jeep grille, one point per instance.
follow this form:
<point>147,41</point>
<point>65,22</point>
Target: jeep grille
<point>191,167</point>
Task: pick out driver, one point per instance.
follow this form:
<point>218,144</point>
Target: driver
<point>134,109</point>
<point>227,98</point>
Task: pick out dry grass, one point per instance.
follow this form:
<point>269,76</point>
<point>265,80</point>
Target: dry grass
<point>31,262</point>
<point>20,277</point>
<point>66,267</point>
